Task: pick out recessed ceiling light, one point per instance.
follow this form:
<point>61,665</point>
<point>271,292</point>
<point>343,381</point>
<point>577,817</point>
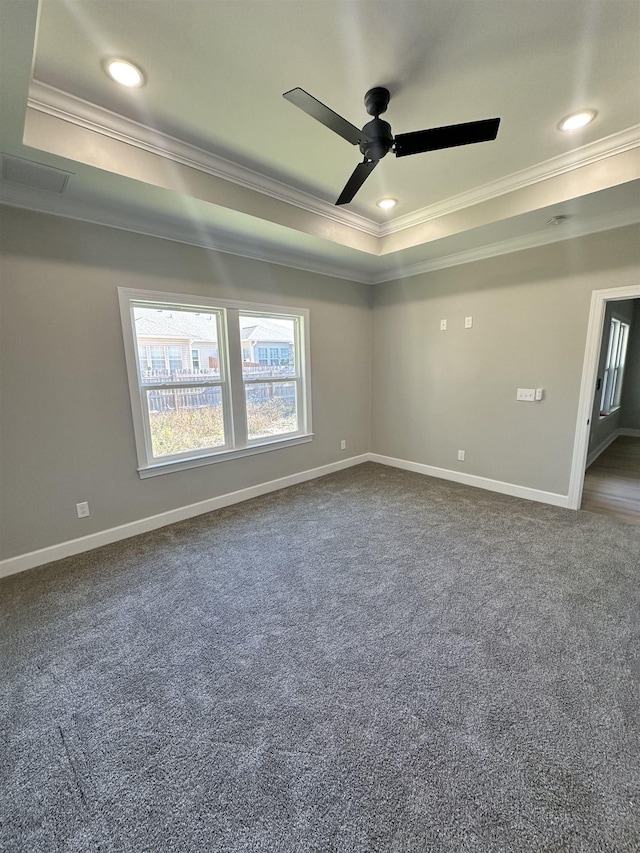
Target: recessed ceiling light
<point>124,72</point>
<point>387,203</point>
<point>577,120</point>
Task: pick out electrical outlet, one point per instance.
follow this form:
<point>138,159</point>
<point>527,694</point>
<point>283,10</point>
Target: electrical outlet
<point>343,445</point>
<point>83,509</point>
<point>443,325</point>
<point>527,395</point>
<point>461,456</point>
<point>468,322</point>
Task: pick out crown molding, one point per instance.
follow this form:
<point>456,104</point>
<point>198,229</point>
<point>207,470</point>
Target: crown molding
<point>62,105</point>
<point>28,199</point>
<point>177,231</point>
<point>515,244</point>
<point>594,152</point>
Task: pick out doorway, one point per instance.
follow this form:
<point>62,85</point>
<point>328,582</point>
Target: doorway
<point>599,299</point>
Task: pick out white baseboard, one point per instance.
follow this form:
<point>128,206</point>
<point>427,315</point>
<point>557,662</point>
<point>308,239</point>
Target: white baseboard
<point>593,454</point>
<point>33,559</point>
<point>22,562</point>
<point>597,451</point>
<point>473,480</point>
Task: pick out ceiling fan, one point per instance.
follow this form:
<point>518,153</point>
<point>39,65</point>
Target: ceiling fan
<point>375,140</point>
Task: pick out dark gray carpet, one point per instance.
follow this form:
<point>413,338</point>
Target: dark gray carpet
<point>373,661</point>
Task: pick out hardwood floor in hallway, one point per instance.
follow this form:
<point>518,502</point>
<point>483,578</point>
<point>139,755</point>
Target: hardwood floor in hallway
<point>612,483</point>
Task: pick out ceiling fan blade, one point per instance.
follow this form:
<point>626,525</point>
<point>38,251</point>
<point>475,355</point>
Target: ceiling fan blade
<point>324,115</point>
<point>446,137</point>
<point>357,179</point>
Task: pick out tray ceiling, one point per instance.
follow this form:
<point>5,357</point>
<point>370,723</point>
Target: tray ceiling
<point>208,151</point>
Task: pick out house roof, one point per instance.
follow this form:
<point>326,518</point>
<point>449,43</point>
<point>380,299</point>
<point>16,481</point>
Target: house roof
<point>268,330</point>
<point>156,323</point>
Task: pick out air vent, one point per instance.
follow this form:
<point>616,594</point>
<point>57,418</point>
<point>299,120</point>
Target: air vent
<point>36,175</point>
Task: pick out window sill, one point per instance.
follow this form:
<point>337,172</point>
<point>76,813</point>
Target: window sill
<point>604,415</point>
<point>224,456</point>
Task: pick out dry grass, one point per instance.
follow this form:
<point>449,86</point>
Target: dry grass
<point>182,430</point>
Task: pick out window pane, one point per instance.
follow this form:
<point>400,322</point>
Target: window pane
<point>156,357</point>
<point>174,357</point>
<point>614,367</point>
<point>165,338</point>
<point>272,409</point>
<point>184,419</point>
<point>268,346</point>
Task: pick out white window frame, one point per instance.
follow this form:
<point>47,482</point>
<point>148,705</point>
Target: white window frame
<point>231,379</point>
<point>297,379</point>
<point>614,366</point>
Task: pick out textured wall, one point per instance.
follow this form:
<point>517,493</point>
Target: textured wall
<point>436,392</point>
<point>66,429</point>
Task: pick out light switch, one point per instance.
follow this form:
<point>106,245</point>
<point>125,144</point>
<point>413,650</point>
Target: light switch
<point>443,325</point>
<point>527,395</point>
<point>468,322</point>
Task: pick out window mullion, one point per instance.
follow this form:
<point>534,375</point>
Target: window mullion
<point>236,384</point>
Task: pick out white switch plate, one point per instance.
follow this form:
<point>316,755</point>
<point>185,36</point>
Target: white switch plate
<point>528,395</point>
<point>539,393</point>
<point>343,445</point>
<point>443,325</point>
<point>461,456</point>
<point>468,322</point>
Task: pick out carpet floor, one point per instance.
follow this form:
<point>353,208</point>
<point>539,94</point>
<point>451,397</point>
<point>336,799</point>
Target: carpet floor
<point>372,661</point>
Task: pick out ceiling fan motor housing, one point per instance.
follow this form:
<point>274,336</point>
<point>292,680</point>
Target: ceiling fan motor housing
<point>378,139</point>
<point>376,101</point>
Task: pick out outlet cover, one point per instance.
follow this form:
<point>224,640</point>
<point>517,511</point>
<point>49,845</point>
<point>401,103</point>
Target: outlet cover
<point>468,322</point>
<point>461,456</point>
<point>83,509</point>
<point>443,325</point>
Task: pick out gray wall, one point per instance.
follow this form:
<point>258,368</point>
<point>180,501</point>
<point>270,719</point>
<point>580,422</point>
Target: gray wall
<point>630,403</point>
<point>602,428</point>
<point>65,421</point>
<point>436,392</point>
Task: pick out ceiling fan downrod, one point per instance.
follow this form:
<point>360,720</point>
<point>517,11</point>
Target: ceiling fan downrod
<point>378,138</point>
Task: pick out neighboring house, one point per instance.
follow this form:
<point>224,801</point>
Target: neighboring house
<point>178,342</point>
<point>268,343</point>
<point>174,343</point>
<point>179,346</point>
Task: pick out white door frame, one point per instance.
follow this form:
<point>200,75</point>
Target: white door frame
<point>599,299</point>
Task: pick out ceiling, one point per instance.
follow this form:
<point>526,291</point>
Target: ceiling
<point>208,152</point>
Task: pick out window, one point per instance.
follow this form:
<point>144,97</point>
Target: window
<point>156,359</point>
<point>273,388</point>
<point>614,366</point>
<point>186,414</point>
<point>174,358</point>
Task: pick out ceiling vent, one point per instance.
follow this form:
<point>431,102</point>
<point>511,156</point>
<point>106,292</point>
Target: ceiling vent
<point>36,175</point>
